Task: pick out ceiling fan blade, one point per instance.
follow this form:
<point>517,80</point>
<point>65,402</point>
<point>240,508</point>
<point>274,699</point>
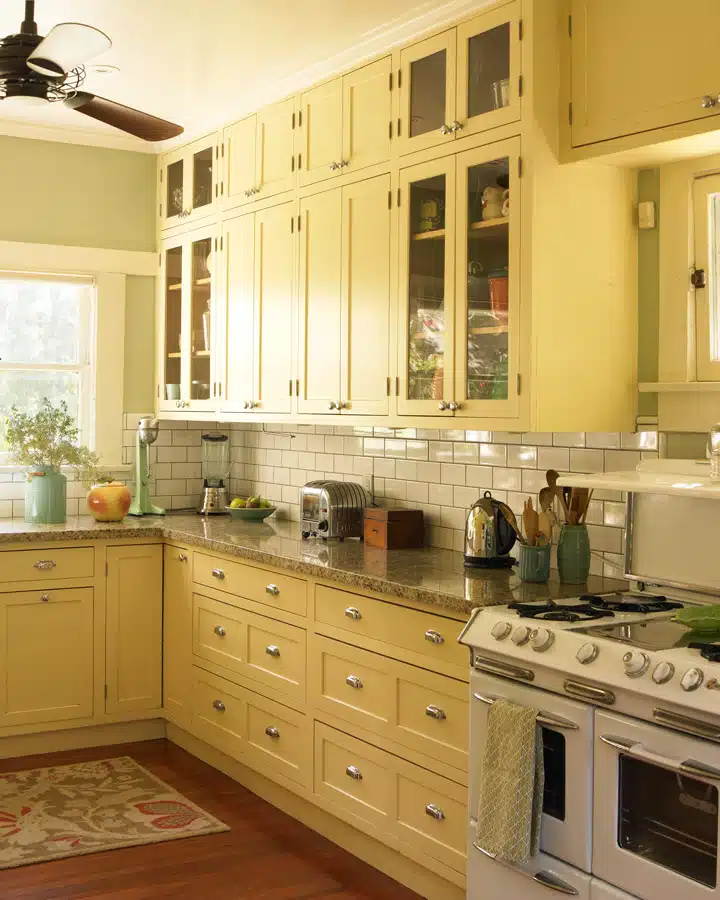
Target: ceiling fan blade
<point>66,47</point>
<point>142,125</point>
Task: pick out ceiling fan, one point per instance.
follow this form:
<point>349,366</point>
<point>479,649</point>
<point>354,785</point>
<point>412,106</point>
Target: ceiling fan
<point>37,70</point>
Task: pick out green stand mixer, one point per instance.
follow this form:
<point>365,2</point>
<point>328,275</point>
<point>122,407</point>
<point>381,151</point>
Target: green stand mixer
<point>141,505</point>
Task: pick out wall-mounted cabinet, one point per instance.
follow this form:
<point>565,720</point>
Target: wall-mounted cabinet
<point>190,183</point>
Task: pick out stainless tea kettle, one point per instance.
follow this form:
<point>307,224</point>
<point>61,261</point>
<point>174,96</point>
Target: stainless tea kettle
<point>489,536</point>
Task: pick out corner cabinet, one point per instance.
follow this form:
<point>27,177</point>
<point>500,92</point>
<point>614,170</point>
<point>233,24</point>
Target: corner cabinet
<point>459,280</point>
<point>177,632</point>
<point>190,183</point>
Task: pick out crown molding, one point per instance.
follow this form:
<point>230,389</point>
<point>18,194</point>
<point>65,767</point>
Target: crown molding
<point>64,135</point>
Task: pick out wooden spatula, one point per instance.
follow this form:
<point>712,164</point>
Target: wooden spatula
<point>530,521</point>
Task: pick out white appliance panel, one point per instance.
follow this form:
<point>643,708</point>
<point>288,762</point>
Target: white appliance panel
<point>601,891</point>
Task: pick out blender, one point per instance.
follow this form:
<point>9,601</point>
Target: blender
<point>215,472</point>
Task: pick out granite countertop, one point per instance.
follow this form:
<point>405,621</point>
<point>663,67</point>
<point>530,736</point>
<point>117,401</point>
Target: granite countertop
<point>426,575</point>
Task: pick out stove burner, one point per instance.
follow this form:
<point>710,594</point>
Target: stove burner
<point>651,604</point>
<point>559,612</point>
<point>708,651</point>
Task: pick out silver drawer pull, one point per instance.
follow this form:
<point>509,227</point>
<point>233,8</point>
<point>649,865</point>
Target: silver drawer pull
<point>182,557</point>
<point>434,637</point>
<point>434,712</point>
<point>44,564</point>
<point>434,812</point>
<point>219,705</point>
<point>219,631</point>
<point>272,589</point>
<point>353,681</point>
<point>354,772</point>
<point>272,732</point>
<point>352,613</point>
<point>218,573</point>
<point>272,650</point>
<point>588,692</point>
<point>45,597</point>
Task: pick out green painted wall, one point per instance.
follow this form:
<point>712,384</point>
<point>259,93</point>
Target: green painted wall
<point>139,345</point>
<point>649,291</point>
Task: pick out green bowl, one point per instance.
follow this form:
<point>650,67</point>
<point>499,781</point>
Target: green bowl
<point>250,515</point>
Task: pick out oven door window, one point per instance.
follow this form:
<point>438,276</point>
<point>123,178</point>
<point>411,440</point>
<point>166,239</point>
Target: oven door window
<point>554,763</point>
<point>669,819</point>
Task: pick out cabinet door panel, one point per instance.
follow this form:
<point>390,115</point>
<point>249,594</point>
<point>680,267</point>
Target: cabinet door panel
<point>202,326</point>
<point>365,296</point>
<point>427,93</point>
<point>239,249</point>
<point>46,656</point>
<point>622,85</point>
<point>134,628</point>
<point>240,150</point>
<point>177,631</point>
<point>173,298</point>
<point>367,110</point>
<point>319,324</point>
<point>274,265</point>
<point>275,149</point>
<point>321,111</point>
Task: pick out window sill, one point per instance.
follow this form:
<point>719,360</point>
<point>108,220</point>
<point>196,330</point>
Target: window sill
<point>122,469</point>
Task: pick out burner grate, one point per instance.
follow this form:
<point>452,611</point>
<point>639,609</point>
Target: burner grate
<point>651,604</point>
<point>709,651</point>
<point>560,612</point>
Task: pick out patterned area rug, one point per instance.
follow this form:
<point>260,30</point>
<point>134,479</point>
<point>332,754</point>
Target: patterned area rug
<point>102,805</point>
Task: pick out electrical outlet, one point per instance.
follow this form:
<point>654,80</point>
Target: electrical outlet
<point>365,481</point>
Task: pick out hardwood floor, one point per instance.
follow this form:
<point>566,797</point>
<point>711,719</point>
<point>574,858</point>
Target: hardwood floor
<point>266,856</point>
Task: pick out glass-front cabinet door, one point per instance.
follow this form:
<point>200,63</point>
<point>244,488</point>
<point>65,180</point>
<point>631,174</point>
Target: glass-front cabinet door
<point>427,281</point>
<point>426,82</point>
<point>170,325</point>
<point>204,388</point>
<point>190,182</point>
<point>488,295</point>
<point>488,70</point>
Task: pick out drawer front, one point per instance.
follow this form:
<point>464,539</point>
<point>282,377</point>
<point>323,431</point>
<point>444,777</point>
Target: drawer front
<point>47,565</point>
<point>353,775</point>
<point>218,712</point>
<point>432,815</point>
<point>434,709</point>
<point>353,683</point>
<point>219,633</point>
<point>279,739</point>
<point>271,588</point>
<point>276,655</point>
<point>434,637</point>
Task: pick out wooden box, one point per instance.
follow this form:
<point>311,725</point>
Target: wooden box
<point>390,529</point>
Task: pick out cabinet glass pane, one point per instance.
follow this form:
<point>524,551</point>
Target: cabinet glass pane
<point>174,199</point>
<point>200,319</point>
<point>173,322</point>
<point>427,93</point>
<point>488,280</point>
<point>426,338</point>
<point>489,70</point>
<point>202,178</point>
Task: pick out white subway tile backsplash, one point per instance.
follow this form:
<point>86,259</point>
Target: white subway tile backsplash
<point>441,494</point>
<point>465,452</point>
<point>452,474</point>
<point>428,471</point>
<point>440,451</point>
<point>479,476</point>
<point>554,458</point>
<point>522,457</point>
<point>586,460</point>
<point>492,454</point>
<point>507,479</point>
<point>384,468</point>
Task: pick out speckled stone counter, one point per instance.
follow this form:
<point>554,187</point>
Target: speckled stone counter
<point>427,575</point>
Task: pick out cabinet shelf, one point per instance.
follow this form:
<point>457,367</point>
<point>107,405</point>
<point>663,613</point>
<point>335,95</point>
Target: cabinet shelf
<point>174,355</point>
<point>490,223</point>
<point>175,287</point>
<point>201,282</point>
<point>490,329</point>
<point>429,235</point>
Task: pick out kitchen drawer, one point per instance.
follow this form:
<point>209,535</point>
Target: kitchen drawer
<point>218,712</point>
<point>278,738</point>
<point>256,647</point>
<point>271,588</point>
<point>391,795</point>
<point>433,637</point>
<point>47,565</point>
<point>422,710</point>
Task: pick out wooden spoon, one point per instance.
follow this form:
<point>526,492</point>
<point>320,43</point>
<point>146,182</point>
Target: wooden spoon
<point>552,477</point>
<point>530,520</point>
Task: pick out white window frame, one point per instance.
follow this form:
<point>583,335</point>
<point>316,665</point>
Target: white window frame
<point>707,299</point>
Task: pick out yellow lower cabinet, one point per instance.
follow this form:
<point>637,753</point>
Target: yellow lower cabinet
<point>177,631</point>
<point>46,656</point>
<point>392,796</point>
<point>47,565</point>
<point>420,709</point>
<point>271,588</point>
<point>218,712</point>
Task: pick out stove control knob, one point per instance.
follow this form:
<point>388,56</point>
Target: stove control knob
<point>521,635</point>
<point>501,630</point>
<point>636,663</point>
<point>692,679</point>
<point>587,653</point>
<point>541,639</point>
<point>663,672</point>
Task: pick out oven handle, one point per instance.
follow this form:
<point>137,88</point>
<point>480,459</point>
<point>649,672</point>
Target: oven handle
<point>546,879</point>
<point>504,670</point>
<point>542,719</point>
<point>687,724</point>
<point>691,767</point>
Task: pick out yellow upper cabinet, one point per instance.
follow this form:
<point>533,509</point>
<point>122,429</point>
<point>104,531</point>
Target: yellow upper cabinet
<point>639,65</point>
<point>190,182</point>
<point>345,124</point>
<point>240,142</point>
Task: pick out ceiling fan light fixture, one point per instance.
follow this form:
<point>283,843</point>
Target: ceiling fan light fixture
<point>66,47</point>
<point>26,94</point>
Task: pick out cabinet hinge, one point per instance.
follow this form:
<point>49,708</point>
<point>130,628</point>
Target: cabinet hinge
<point>390,81</point>
<point>107,569</point>
<point>570,113</point>
<point>292,224</point>
<point>158,391</point>
<point>697,278</point>
<point>292,163</point>
<point>520,29</point>
<point>161,176</point>
<point>160,209</point>
<point>299,161</point>
<point>105,692</point>
<point>390,129</point>
<point>159,259</point>
<point>222,241</point>
<point>293,120</point>
<point>399,78</point>
<point>398,196</point>
<point>389,199</point>
<point>570,26</point>
<point>397,386</point>
<point>290,387</point>
<point>520,85</point>
<point>223,149</point>
<point>216,243</point>
<point>222,188</point>
<point>217,151</point>
<point>299,118</point>
<point>399,122</point>
<point>520,167</point>
<point>299,223</point>
<point>519,383</point>
<point>297,387</point>
<point>388,385</point>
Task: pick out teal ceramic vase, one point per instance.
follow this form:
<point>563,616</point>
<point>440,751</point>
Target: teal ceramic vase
<point>45,496</point>
<point>573,554</point>
<point>534,563</point>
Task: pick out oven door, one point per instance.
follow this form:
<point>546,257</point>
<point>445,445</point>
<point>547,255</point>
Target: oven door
<point>655,828</point>
<point>567,729</point>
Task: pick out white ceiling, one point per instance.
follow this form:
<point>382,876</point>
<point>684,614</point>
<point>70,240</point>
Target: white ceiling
<point>202,63</point>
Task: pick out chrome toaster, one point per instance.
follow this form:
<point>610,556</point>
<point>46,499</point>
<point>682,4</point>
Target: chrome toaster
<point>333,509</point>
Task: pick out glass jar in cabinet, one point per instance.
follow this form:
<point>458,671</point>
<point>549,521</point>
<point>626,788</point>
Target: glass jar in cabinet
<point>190,182</point>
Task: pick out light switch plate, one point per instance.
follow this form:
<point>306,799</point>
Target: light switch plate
<point>646,214</point>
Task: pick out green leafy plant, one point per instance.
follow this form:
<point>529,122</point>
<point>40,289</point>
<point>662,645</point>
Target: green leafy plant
<point>48,437</point>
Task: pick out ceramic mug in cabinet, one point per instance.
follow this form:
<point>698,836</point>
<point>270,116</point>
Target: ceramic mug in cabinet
<point>494,200</point>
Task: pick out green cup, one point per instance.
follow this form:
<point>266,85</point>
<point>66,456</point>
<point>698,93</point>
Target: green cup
<point>534,563</point>
<point>573,554</point>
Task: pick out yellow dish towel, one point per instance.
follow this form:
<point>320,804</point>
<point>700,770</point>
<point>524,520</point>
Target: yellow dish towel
<point>511,784</point>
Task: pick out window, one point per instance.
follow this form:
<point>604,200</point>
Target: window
<point>706,195</point>
<point>47,340</point>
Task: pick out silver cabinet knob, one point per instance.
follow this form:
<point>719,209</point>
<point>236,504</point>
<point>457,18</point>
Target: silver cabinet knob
<point>272,732</point>
<point>456,126</point>
<point>219,705</point>
<point>434,637</point>
<point>434,712</point>
<point>353,613</point>
<point>218,573</point>
<point>434,812</point>
<point>333,166</point>
<point>341,404</point>
<point>453,405</point>
<point>445,130</point>
<point>219,631</point>
<point>708,102</point>
<point>182,557</point>
<point>332,404</point>
<point>442,406</point>
<point>354,682</point>
<point>177,404</point>
<point>44,564</point>
<point>272,650</point>
<point>343,164</point>
<point>45,598</point>
<point>354,772</point>
<point>272,589</point>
